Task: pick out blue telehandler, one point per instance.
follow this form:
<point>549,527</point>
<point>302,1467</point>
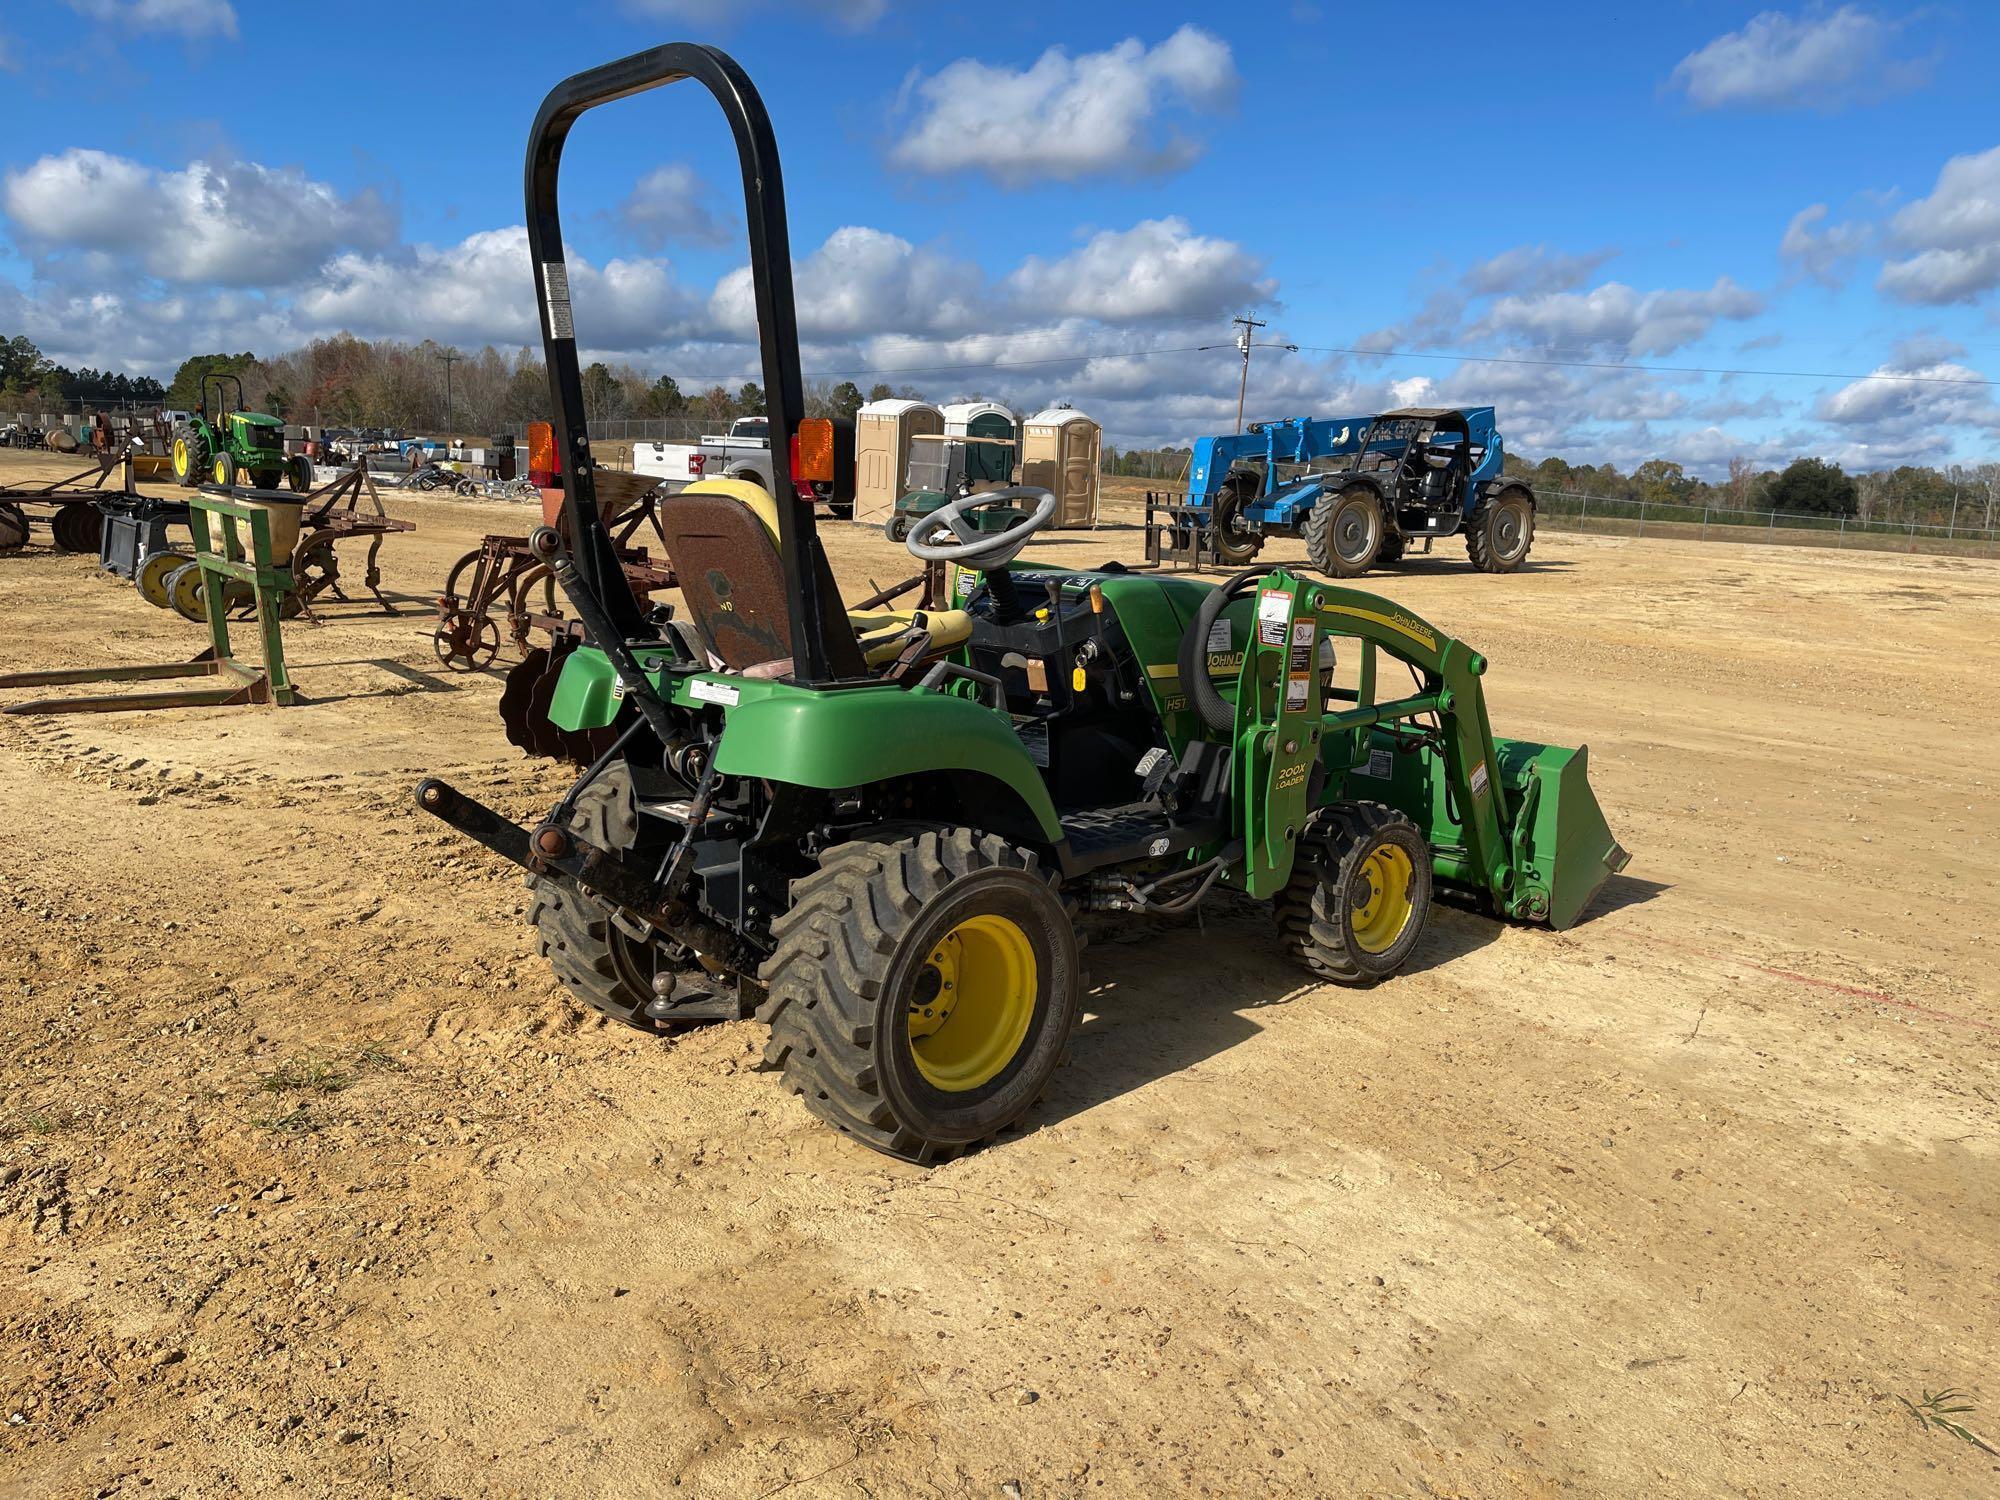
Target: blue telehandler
<point>1418,473</point>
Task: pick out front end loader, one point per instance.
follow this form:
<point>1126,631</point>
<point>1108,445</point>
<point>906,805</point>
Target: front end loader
<point>874,830</point>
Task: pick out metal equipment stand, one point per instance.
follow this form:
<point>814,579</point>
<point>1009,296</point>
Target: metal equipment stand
<point>1177,537</point>
<point>268,583</point>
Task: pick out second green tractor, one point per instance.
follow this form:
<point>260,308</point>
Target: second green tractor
<point>221,443</point>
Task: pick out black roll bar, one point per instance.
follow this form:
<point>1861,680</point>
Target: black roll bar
<point>777,325</point>
<point>222,406</point>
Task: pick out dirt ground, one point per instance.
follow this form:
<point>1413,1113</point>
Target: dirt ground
<point>311,1179</point>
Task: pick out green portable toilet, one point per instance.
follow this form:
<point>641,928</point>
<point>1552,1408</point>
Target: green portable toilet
<point>990,462</point>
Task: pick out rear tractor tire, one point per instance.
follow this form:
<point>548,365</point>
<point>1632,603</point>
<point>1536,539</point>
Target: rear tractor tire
<point>189,455</point>
<point>923,990</point>
<point>598,962</point>
<point>1343,537</point>
<point>1500,531</point>
<point>1359,895</point>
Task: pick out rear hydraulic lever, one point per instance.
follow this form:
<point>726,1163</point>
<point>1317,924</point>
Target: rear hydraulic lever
<point>547,547</point>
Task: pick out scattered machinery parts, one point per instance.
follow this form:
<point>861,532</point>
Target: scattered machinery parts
<point>67,506</point>
<point>872,829</point>
<point>501,577</point>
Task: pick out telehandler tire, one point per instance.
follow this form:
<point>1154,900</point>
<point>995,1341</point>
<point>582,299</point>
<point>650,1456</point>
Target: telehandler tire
<point>597,961</point>
<point>1234,548</point>
<point>1343,538</point>
<point>1500,531</point>
<point>923,990</point>
<point>1359,895</point>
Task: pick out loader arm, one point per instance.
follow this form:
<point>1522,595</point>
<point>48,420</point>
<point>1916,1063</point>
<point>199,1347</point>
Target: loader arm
<point>1512,821</point>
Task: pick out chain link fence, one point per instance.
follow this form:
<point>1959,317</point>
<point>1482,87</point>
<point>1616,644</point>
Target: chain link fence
<point>1560,510</point>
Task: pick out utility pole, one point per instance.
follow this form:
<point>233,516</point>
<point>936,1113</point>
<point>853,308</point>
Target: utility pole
<point>1246,325</point>
<point>1245,342</point>
<point>450,358</point>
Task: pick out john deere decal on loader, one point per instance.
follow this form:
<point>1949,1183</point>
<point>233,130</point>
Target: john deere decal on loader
<point>871,829</point>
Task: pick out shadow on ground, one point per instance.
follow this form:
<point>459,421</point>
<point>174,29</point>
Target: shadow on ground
<point>1164,998</point>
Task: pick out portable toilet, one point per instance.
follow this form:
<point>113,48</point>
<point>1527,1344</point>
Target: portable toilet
<point>882,433</point>
<point>1059,452</point>
<point>990,462</point>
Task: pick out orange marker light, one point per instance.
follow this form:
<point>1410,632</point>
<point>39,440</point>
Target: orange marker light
<point>812,453</point>
<point>542,465</point>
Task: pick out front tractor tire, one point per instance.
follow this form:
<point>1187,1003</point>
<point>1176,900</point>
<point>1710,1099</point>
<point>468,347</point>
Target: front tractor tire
<point>923,990</point>
<point>1234,548</point>
<point>1500,531</point>
<point>1344,536</point>
<point>1359,895</point>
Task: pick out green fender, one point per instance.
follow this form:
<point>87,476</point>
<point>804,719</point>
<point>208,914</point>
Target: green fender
<point>831,739</point>
<point>854,736</point>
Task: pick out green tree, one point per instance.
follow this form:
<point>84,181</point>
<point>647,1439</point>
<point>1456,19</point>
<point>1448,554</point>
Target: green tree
<point>20,363</point>
<point>847,399</point>
<point>1662,482</point>
<point>603,394</point>
<point>750,398</point>
<point>880,392</point>
<point>1812,486</point>
<point>185,391</point>
<point>664,398</point>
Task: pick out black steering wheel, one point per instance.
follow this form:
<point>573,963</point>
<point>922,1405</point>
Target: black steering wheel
<point>1212,706</point>
<point>983,551</point>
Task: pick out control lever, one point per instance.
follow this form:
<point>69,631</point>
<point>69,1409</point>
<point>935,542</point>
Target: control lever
<point>548,548</point>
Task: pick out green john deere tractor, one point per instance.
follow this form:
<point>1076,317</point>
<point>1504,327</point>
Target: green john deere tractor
<point>234,446</point>
<point>875,830</point>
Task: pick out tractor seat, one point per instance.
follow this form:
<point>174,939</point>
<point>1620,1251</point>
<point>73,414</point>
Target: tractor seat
<point>722,538</point>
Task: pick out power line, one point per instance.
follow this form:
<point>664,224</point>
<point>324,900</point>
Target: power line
<point>1482,359</point>
<point>1587,364</point>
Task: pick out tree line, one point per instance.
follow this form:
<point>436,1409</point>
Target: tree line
<point>344,381</point>
<point>30,380</point>
<point>1966,495</point>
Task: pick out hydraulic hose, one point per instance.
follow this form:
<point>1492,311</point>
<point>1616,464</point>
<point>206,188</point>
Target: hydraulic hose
<point>1212,706</point>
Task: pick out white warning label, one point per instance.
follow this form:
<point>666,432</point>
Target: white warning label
<point>555,285</point>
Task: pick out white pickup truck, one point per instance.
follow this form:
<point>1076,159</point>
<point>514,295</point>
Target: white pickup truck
<point>744,453</point>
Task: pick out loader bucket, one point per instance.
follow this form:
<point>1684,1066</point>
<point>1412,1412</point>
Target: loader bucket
<point>1563,848</point>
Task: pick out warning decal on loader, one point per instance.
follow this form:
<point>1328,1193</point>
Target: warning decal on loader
<point>1274,613</point>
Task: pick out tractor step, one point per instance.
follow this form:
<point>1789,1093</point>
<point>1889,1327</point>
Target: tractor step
<point>1139,830</point>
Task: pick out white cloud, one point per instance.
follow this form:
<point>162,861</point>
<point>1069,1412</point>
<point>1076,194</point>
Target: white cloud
<point>1532,268</point>
<point>1619,318</point>
<point>1953,236</point>
<point>1944,392</point>
<point>671,204</point>
<point>1155,271</point>
<point>1818,250</point>
<point>1066,117</point>
<point>190,18</point>
<point>863,280</point>
<point>1818,60</point>
<point>230,224</point>
<point>479,291</point>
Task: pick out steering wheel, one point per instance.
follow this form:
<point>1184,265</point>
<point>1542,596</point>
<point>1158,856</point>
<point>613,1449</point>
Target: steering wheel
<point>983,551</point>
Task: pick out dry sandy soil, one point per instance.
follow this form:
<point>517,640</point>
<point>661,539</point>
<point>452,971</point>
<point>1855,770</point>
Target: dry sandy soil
<point>312,1180</point>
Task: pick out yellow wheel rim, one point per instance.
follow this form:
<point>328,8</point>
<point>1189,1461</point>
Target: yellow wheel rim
<point>180,458</point>
<point>972,1004</point>
<point>1381,898</point>
<point>222,470</point>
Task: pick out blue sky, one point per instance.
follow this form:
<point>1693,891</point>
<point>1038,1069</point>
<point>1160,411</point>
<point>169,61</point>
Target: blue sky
<point>1576,197</point>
